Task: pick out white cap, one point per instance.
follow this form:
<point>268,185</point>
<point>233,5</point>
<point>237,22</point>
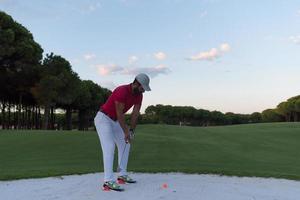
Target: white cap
<point>144,80</point>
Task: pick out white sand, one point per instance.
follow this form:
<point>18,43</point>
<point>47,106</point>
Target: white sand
<point>149,186</point>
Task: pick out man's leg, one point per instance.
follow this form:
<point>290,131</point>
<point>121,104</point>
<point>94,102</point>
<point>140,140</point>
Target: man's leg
<point>105,132</point>
<point>123,149</point>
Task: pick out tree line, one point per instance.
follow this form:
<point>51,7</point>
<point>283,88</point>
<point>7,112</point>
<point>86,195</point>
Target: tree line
<point>187,115</point>
<point>287,111</point>
<point>34,90</point>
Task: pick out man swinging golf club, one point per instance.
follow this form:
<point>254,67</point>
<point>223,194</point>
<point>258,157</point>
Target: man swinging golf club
<point>112,129</point>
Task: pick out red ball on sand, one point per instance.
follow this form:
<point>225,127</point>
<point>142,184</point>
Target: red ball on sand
<point>164,186</point>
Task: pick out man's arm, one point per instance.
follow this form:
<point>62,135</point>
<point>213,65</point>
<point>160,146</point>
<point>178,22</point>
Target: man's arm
<point>121,118</point>
<point>134,115</point>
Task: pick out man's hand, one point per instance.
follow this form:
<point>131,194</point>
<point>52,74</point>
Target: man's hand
<point>127,137</point>
<point>131,134</point>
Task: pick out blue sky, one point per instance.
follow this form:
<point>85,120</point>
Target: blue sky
<point>225,55</point>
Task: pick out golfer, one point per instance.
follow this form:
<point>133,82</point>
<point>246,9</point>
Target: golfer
<point>112,129</point>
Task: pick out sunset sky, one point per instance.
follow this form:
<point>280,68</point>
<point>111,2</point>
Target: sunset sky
<point>225,55</point>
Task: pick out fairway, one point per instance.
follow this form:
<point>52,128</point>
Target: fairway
<point>264,150</point>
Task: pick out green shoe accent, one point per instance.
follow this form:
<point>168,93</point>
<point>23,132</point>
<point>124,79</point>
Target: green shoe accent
<point>112,185</point>
<point>125,179</point>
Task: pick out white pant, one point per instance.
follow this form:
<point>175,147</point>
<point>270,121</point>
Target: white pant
<point>111,133</point>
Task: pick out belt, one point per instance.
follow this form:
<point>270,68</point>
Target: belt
<point>105,113</point>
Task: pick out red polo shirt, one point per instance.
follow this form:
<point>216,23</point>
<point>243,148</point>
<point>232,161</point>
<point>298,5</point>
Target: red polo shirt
<point>122,94</point>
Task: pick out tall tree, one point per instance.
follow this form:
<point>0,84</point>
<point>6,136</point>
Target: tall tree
<point>46,92</point>
<point>294,107</point>
<point>297,109</point>
<point>67,95</point>
<point>255,117</point>
<point>272,115</point>
<point>90,98</point>
<point>20,58</point>
<point>285,108</point>
<point>56,86</point>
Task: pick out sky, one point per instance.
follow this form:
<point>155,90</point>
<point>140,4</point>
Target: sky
<point>225,55</point>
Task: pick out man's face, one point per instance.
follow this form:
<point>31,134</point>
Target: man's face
<point>138,89</point>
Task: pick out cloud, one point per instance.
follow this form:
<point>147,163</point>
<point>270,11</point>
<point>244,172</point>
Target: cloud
<point>295,39</point>
<point>108,69</point>
<point>91,8</point>
<point>160,55</point>
<point>212,54</point>
<point>151,71</point>
<point>89,56</point>
<point>207,55</point>
<point>94,6</point>
<point>83,7</point>
<point>225,47</point>
<point>132,59</point>
<point>112,69</point>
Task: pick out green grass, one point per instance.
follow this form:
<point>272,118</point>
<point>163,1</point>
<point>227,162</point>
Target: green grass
<point>264,150</point>
<point>26,154</point>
